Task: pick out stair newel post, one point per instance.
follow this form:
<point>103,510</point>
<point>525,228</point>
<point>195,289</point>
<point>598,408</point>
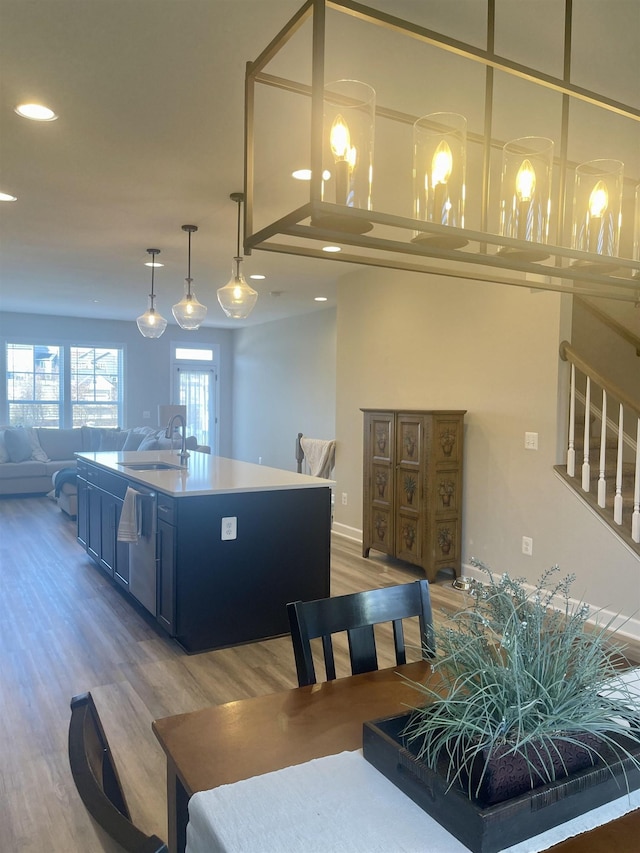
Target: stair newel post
<point>617,503</point>
<point>635,518</point>
<point>571,452</point>
<point>586,467</point>
<point>602,483</point>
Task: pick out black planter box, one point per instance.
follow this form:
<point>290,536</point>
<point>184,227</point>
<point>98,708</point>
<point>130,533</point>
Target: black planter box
<point>492,828</point>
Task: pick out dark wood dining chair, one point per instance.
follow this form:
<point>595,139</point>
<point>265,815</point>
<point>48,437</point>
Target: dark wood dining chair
<point>96,777</point>
<point>357,613</point>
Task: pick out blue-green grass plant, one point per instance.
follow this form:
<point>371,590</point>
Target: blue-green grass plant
<point>522,669</point>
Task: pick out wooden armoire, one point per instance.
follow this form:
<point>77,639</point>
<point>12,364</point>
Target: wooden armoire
<point>412,491</point>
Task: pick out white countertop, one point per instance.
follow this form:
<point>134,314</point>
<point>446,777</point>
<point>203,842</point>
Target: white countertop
<point>204,474</point>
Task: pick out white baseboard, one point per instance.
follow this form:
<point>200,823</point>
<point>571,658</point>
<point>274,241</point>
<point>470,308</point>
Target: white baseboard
<point>627,628</point>
<point>352,533</point>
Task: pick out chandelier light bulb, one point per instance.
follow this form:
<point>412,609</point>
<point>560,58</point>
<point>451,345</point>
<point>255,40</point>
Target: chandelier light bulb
<point>442,164</point>
<point>525,181</point>
<point>599,199</point>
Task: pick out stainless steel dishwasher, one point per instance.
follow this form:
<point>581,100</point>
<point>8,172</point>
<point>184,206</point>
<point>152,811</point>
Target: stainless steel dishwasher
<point>142,554</point>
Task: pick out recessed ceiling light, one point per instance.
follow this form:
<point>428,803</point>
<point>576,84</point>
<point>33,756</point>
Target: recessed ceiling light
<point>7,197</point>
<point>305,175</point>
<point>331,249</point>
<point>319,298</point>
<point>257,276</point>
<point>153,264</point>
<point>36,112</point>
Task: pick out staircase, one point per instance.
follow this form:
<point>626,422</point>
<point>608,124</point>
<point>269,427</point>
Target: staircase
<point>603,469</point>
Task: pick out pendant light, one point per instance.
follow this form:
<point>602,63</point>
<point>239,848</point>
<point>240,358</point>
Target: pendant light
<point>189,313</point>
<point>151,324</point>
<point>237,298</point>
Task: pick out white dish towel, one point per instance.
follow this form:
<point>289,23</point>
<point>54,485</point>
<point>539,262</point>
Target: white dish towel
<point>130,517</point>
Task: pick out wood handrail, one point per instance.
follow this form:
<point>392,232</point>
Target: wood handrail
<point>567,353</point>
<point>618,328</point>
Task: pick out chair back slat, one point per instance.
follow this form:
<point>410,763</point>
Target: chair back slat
<point>356,614</point>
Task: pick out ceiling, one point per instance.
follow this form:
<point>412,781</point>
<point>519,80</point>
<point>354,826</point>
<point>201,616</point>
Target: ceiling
<point>149,137</point>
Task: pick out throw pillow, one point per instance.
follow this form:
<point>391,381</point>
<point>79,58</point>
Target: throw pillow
<point>91,438</point>
<point>134,440</point>
<point>18,445</point>
<point>150,443</point>
<point>37,452</point>
<point>4,456</point>
<point>112,439</point>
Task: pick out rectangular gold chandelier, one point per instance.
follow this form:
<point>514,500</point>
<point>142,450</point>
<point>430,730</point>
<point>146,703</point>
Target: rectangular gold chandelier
<point>373,140</point>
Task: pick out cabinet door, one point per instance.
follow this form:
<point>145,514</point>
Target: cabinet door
<point>83,511</point>
<point>107,532</point>
<point>94,526</point>
<point>409,487</point>
<point>166,609</point>
<point>378,496</point>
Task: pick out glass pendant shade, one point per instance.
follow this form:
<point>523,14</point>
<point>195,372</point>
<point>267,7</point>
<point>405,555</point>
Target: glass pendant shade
<point>189,313</point>
<point>525,193</point>
<point>237,298</point>
<point>439,168</point>
<point>597,205</point>
<point>151,324</point>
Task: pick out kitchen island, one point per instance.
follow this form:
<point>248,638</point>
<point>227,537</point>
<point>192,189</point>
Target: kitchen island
<point>222,546</point>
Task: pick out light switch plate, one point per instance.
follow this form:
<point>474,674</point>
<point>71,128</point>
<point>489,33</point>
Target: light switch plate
<point>229,528</point>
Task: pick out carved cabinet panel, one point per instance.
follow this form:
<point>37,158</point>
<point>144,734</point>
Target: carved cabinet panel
<point>412,491</point>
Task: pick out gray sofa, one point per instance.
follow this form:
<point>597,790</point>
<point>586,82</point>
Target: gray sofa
<point>30,456</point>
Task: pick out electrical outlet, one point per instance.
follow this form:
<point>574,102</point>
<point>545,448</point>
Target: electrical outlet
<point>229,528</point>
<point>344,499</point>
<point>531,441</point>
<point>527,546</point>
<point>146,415</point>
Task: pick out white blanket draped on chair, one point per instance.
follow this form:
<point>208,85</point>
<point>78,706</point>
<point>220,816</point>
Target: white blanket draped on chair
<point>320,455</point>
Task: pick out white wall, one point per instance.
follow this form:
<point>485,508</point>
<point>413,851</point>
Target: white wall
<point>415,341</point>
<point>284,382</point>
<point>147,362</point>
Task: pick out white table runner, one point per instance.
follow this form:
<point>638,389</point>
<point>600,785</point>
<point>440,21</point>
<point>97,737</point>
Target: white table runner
<point>342,804</point>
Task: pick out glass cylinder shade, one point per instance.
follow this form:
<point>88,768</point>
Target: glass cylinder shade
<point>597,206</point>
<point>189,312</point>
<point>348,136</point>
<point>525,193</point>
<point>439,169</point>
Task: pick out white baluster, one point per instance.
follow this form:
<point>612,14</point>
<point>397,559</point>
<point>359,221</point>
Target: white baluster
<point>635,518</point>
<point>617,502</point>
<point>602,483</point>
<point>586,468</point>
<point>571,452</point>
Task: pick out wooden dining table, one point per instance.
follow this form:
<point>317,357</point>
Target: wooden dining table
<point>227,743</point>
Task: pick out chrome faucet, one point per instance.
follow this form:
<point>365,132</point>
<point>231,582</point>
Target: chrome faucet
<point>184,455</point>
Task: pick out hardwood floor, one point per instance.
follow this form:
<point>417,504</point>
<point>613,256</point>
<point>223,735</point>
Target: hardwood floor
<point>65,629</point>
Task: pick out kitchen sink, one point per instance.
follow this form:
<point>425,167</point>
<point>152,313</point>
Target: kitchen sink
<point>150,466</point>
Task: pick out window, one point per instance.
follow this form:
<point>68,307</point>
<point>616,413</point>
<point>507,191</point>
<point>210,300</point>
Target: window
<point>34,389</point>
<point>64,386</point>
<point>96,392</point>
